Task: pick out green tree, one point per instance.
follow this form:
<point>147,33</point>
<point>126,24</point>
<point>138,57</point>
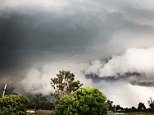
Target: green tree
<point>13,104</point>
<point>64,83</point>
<point>38,101</point>
<point>84,101</point>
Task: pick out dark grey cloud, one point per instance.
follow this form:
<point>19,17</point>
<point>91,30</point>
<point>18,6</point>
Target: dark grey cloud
<point>82,28</point>
<point>24,37</point>
<point>126,76</point>
<point>134,66</point>
<point>133,78</point>
<point>147,84</point>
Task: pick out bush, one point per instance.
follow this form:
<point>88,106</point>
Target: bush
<point>13,105</point>
<point>84,101</point>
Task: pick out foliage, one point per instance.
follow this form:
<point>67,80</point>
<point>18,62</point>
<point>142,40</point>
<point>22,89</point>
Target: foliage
<point>133,109</point>
<point>141,107</point>
<point>151,104</point>
<point>13,105</point>
<point>118,108</point>
<point>111,106</point>
<point>84,101</point>
<point>38,100</point>
<point>64,83</point>
<point>114,108</point>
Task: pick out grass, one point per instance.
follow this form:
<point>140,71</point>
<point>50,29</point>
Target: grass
<point>139,113</point>
<point>48,112</point>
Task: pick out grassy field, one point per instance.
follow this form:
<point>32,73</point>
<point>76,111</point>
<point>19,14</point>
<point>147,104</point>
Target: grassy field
<point>42,112</point>
<point>48,112</point>
<point>139,113</point>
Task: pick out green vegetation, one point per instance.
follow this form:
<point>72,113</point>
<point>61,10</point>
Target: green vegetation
<point>69,99</point>
<point>84,101</point>
<point>13,105</point>
<point>64,83</point>
<point>37,101</point>
<point>40,102</point>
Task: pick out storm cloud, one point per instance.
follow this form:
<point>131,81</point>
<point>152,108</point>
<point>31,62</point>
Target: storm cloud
<point>135,65</point>
<point>32,29</point>
<point>38,38</point>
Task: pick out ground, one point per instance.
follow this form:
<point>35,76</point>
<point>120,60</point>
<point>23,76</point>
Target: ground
<point>48,112</point>
<point>42,112</point>
<point>140,113</point>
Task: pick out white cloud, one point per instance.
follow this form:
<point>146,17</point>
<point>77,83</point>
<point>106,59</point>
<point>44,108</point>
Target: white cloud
<point>127,95</point>
<point>143,4</point>
<point>38,79</point>
<point>133,60</point>
<point>33,5</point>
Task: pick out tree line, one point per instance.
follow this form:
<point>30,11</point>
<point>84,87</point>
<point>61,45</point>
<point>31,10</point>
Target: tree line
<point>140,108</point>
<point>68,98</point>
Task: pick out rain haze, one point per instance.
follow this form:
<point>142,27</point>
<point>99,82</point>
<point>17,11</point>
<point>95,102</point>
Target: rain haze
<point>108,44</point>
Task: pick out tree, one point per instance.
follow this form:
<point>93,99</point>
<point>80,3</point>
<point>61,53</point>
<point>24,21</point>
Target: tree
<point>84,101</point>
<point>118,108</point>
<point>64,83</point>
<point>151,104</point>
<point>38,101</point>
<point>110,103</point>
<point>13,104</point>
<point>141,107</point>
<point>133,109</point>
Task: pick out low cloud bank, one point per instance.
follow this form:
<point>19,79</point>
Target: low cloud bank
<point>135,65</point>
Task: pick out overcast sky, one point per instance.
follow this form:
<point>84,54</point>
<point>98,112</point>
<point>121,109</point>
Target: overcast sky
<point>38,38</point>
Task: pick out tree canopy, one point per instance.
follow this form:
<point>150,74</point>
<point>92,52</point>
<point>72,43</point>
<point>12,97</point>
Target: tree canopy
<point>141,107</point>
<point>38,100</point>
<point>13,104</point>
<point>64,83</point>
<point>84,101</point>
<point>151,104</point>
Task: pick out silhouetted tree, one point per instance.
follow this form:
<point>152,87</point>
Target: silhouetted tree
<point>133,109</point>
<point>110,103</point>
<point>141,107</point>
<point>151,104</point>
<point>118,108</point>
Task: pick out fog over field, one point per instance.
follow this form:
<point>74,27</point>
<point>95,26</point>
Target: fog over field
<point>108,44</point>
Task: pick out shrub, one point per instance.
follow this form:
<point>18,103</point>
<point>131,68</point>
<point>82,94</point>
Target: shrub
<point>13,105</point>
<point>84,101</point>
